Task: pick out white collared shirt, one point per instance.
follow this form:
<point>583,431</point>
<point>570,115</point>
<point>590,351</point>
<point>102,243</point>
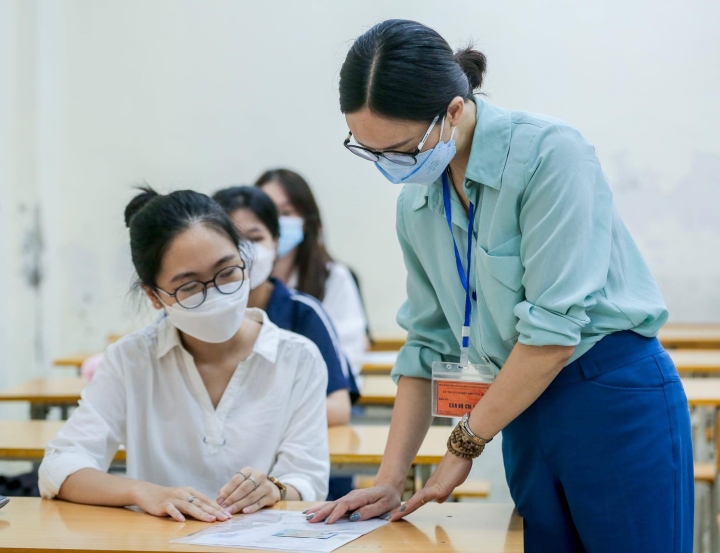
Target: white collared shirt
<point>148,396</point>
<point>343,304</point>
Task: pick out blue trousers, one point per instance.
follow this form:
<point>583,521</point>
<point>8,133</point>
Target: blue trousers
<point>602,461</point>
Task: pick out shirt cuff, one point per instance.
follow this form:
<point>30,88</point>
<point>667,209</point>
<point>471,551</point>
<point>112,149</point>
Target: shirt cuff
<point>56,467</point>
<point>307,491</point>
<point>541,327</point>
<point>415,361</point>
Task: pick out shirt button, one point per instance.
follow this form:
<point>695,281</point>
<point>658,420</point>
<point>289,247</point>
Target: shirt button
<point>474,296</point>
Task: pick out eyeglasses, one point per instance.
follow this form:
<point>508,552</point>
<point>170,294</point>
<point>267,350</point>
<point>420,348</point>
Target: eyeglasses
<point>192,294</point>
<point>406,159</point>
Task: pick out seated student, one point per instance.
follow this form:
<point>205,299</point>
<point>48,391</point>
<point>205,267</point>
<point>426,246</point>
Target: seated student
<point>256,216</point>
<point>221,412</point>
<point>304,263</point>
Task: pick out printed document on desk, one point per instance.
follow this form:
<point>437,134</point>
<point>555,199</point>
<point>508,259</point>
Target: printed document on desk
<point>281,530</point>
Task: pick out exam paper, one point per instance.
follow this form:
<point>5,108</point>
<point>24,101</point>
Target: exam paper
<point>281,530</point>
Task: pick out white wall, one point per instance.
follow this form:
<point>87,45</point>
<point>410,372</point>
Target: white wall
<point>96,96</point>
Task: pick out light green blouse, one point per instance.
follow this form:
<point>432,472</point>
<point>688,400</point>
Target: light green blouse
<point>552,264</point>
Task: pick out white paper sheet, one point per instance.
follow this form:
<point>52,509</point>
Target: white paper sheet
<point>260,531</point>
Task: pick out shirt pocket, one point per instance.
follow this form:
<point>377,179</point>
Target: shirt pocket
<point>500,279</point>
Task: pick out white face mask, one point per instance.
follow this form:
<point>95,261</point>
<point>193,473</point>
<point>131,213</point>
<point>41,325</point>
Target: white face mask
<point>263,259</point>
<point>216,320</point>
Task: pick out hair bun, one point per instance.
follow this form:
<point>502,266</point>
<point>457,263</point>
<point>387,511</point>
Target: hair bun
<point>473,64</point>
<point>138,202</point>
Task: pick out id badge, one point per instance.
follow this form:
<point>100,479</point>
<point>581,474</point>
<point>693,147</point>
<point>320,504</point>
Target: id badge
<point>457,389</point>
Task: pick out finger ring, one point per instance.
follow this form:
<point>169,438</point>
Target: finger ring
<point>243,474</point>
<point>253,481</point>
<point>422,502</point>
<point>191,499</point>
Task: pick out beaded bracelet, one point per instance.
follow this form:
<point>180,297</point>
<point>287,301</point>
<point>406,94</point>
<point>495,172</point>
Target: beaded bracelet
<point>464,443</point>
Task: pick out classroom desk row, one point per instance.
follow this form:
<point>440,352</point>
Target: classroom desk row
<point>687,361</point>
<point>353,449</point>
<point>673,336</point>
<point>349,445</point>
<point>35,525</point>
<point>376,390</point>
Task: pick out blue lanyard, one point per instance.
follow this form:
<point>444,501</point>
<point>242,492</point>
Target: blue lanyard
<point>464,276</point>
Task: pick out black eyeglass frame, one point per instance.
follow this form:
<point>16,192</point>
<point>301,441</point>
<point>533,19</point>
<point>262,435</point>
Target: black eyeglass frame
<point>378,154</point>
<point>205,286</point>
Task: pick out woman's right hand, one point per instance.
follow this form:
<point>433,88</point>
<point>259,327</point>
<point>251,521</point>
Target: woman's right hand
<point>164,501</point>
<point>377,501</point>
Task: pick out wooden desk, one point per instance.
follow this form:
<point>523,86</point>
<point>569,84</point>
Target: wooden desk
<point>690,336</point>
<point>52,391</point>
<point>46,392</point>
<point>349,445</point>
<point>72,360</point>
<point>377,390</point>
<point>387,344</point>
<point>378,362</point>
<point>35,525</point>
<point>698,361</point>
<point>702,391</point>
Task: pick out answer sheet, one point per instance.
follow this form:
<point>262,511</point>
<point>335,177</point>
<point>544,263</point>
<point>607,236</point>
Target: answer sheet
<point>281,530</point>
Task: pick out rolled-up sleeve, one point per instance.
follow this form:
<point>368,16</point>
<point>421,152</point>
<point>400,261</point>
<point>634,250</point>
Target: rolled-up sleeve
<point>94,432</point>
<point>303,459</point>
<point>566,226</point>
<point>430,337</point>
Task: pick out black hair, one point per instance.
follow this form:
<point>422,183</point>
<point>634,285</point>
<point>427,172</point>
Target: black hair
<point>402,69</point>
<point>155,220</point>
<point>312,257</point>
<point>249,197</point>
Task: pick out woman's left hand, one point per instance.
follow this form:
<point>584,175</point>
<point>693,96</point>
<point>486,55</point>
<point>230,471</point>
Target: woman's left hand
<point>248,491</point>
<point>450,473</point>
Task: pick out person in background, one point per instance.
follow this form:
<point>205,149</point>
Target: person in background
<point>211,401</point>
<point>304,263</point>
<point>256,216</point>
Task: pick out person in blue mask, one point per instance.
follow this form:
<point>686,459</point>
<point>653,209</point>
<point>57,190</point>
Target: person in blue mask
<point>304,263</point>
<point>518,262</point>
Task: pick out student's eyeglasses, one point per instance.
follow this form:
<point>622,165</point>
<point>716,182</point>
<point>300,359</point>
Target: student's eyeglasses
<point>192,294</point>
<point>400,158</point>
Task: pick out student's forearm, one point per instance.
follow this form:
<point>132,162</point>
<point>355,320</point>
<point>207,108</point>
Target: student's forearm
<point>526,374</point>
<point>338,408</point>
<point>411,419</point>
<point>92,487</point>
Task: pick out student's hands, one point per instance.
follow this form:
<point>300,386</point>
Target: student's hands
<point>248,491</point>
<point>164,501</point>
<point>450,473</point>
<point>377,501</point>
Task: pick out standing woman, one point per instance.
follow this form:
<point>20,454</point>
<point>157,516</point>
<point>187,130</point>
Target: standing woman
<point>304,263</point>
<point>596,429</point>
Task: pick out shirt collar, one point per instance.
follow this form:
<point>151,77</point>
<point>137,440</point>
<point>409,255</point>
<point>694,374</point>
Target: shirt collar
<point>488,154</point>
<point>266,344</point>
<point>491,144</point>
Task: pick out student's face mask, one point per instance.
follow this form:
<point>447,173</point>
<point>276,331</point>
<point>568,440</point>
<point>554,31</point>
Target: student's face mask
<point>263,259</point>
<point>291,234</point>
<point>216,320</point>
<point>428,167</point>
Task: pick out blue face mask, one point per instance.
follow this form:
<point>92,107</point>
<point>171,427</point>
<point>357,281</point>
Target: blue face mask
<point>429,167</point>
<point>291,234</point>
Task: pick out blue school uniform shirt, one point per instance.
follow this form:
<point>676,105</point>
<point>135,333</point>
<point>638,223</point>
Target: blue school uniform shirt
<point>302,314</point>
<point>552,262</point>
